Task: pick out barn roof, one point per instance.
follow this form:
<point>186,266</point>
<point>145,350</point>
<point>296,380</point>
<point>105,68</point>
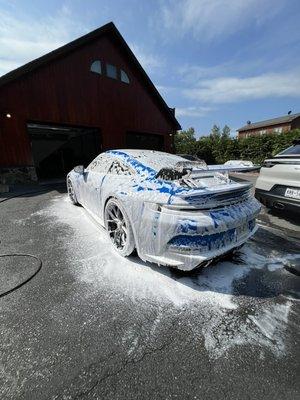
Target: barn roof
<point>269,122</point>
<point>108,29</point>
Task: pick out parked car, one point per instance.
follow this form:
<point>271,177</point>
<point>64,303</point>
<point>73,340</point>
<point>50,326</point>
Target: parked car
<point>191,157</point>
<point>172,211</point>
<point>278,184</point>
<point>242,163</point>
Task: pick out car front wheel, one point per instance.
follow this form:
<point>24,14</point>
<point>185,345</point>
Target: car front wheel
<point>118,227</point>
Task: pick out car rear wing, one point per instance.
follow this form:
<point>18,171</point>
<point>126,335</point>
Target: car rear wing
<point>224,168</point>
<point>182,171</point>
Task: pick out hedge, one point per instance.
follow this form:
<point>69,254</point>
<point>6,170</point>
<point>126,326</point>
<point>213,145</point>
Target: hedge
<point>216,149</point>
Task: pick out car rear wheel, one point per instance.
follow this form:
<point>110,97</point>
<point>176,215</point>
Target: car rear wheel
<point>118,227</point>
<point>71,192</point>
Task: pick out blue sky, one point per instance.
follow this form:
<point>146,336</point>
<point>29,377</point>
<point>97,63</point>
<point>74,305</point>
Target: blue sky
<point>217,61</point>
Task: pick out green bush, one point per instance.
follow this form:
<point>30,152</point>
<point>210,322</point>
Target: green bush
<point>219,147</point>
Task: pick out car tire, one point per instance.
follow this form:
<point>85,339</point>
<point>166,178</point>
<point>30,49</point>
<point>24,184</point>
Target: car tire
<point>118,227</point>
<point>71,192</point>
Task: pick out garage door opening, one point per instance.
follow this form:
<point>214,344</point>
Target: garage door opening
<point>149,141</point>
<point>57,149</point>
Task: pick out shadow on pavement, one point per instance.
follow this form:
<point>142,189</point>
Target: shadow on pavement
<point>32,190</point>
<point>284,215</point>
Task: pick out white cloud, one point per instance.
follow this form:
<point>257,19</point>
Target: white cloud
<point>198,111</point>
<point>233,89</point>
<point>192,73</point>
<point>7,65</point>
<point>148,61</point>
<point>209,19</point>
<point>24,39</point>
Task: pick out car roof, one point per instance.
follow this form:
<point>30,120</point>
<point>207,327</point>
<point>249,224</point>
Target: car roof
<point>150,158</point>
<point>147,153</point>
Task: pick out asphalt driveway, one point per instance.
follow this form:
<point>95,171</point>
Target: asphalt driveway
<point>92,325</point>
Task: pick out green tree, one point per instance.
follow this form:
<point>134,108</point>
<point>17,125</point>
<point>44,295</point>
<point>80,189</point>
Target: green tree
<point>284,140</point>
<point>226,132</point>
<point>185,141</point>
<point>215,132</point>
<point>220,140</point>
<point>203,150</point>
<point>232,150</point>
<point>218,146</point>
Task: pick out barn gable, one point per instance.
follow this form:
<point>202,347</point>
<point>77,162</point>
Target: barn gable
<point>91,93</point>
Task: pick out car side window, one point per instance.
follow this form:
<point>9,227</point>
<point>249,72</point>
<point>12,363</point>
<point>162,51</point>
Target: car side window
<point>101,164</point>
<point>119,168</point>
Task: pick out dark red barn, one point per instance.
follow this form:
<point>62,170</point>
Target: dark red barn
<point>67,106</point>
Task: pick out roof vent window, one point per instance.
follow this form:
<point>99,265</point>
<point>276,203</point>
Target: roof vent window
<point>124,77</point>
<point>111,71</point>
<point>96,67</point>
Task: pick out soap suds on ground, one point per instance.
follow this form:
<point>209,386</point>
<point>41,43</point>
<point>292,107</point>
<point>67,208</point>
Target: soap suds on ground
<point>227,319</point>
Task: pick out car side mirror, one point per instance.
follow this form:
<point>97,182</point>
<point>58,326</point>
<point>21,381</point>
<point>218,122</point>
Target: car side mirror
<point>79,169</point>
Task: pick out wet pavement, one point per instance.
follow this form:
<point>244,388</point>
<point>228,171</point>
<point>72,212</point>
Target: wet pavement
<point>92,325</point>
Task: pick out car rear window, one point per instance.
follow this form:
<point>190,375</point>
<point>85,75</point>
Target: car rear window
<point>291,150</point>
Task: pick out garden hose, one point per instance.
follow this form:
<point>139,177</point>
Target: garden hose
<point>24,255</point>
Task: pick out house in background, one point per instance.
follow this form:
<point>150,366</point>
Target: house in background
<point>67,106</point>
<point>275,125</point>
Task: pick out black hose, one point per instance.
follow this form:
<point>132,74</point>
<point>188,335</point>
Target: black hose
<point>25,255</point>
<point>26,280</point>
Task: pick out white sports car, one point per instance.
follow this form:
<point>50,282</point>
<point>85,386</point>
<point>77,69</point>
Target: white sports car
<point>173,211</point>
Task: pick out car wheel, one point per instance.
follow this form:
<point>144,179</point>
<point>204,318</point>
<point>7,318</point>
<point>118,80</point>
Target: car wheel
<point>118,227</point>
<point>71,192</point>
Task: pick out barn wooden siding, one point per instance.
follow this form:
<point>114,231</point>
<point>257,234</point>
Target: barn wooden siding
<point>66,92</point>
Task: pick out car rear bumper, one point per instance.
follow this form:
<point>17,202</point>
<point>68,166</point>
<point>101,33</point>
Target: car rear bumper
<point>185,239</point>
<point>188,259</point>
<point>277,201</point>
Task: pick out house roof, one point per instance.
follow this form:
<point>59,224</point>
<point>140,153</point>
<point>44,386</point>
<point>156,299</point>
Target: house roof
<point>108,29</point>
<point>269,122</point>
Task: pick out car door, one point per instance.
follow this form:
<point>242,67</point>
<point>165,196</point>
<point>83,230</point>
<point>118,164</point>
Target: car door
<point>92,183</point>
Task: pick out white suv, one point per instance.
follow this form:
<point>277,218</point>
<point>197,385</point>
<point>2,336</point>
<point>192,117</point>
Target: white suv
<point>278,184</point>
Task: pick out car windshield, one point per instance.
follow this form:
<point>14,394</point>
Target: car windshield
<point>158,160</point>
<point>293,150</point>
<point>155,159</point>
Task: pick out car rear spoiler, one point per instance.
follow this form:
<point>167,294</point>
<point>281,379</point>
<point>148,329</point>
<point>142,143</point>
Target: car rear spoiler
<point>178,173</point>
<point>224,168</point>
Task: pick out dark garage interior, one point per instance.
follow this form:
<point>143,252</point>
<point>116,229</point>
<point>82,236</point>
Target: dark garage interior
<point>57,149</point>
<point>149,141</point>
